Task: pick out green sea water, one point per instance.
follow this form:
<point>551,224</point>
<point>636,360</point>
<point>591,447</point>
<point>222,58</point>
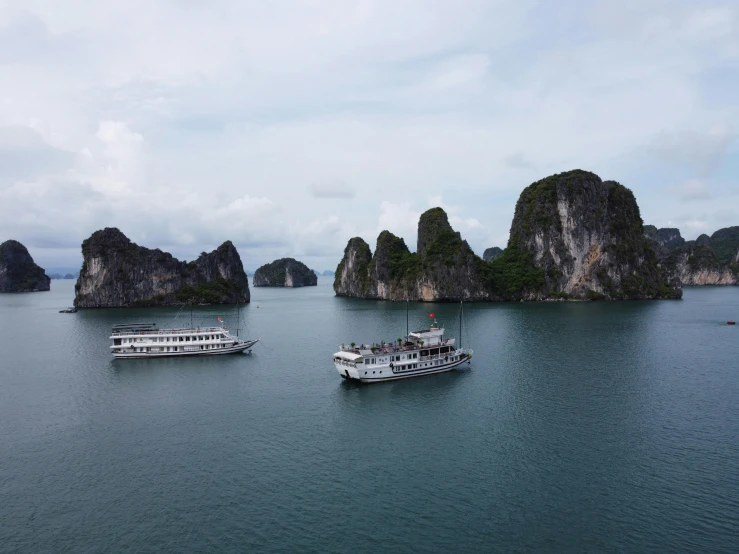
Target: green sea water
<point>578,427</point>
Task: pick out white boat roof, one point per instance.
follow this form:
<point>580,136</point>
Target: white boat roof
<point>351,356</point>
<point>124,331</point>
<point>427,333</point>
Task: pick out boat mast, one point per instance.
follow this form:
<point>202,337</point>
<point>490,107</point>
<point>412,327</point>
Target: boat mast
<point>460,324</point>
<point>406,318</point>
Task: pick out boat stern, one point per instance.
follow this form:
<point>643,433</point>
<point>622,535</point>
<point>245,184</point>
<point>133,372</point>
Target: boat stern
<point>346,364</point>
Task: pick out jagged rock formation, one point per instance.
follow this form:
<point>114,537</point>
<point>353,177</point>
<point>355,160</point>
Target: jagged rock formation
<point>18,272</point>
<point>573,236</point>
<point>443,267</point>
<point>663,240</point>
<point>285,272</point>
<point>118,273</point>
<point>491,253</point>
<point>708,260</point>
<point>328,273</point>
<point>586,237</point>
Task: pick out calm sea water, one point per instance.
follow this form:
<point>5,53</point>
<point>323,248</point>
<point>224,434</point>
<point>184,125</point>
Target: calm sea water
<point>578,427</point>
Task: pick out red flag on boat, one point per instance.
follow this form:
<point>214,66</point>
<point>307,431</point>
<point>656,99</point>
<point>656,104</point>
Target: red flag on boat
<point>431,315</point>
<point>219,319</point>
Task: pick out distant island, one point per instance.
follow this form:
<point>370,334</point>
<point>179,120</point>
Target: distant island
<point>328,273</point>
<point>18,271</point>
<point>117,273</point>
<point>286,272</point>
<point>60,276</point>
<point>573,237</point>
<point>707,260</point>
<point>491,253</point>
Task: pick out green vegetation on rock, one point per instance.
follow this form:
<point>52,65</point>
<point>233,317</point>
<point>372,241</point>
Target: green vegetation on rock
<point>214,292</point>
<point>514,272</point>
<point>725,243</point>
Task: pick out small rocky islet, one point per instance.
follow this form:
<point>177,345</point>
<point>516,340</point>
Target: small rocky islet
<point>285,272</point>
<point>18,271</point>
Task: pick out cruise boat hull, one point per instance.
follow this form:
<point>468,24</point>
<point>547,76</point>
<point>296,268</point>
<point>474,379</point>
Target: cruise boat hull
<point>379,374</point>
<point>235,349</point>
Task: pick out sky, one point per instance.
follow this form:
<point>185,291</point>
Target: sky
<point>290,127</point>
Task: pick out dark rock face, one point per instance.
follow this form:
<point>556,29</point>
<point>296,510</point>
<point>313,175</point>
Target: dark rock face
<point>118,273</point>
<point>285,272</point>
<point>587,237</point>
<point>706,261</point>
<point>443,268</point>
<point>18,272</point>
<point>491,253</point>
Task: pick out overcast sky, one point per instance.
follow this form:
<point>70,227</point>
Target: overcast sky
<point>289,127</point>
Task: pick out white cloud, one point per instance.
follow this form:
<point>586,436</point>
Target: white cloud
<point>694,190</point>
<point>702,150</point>
<point>331,189</point>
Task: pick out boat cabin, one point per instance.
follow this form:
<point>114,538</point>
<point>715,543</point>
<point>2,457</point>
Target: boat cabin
<point>429,337</point>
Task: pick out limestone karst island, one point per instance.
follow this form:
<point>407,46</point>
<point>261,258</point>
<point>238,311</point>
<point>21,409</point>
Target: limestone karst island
<point>118,273</point>
<point>286,272</point>
<point>573,237</point>
<point>18,272</point>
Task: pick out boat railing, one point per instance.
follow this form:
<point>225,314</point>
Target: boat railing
<point>182,331</point>
<point>391,348</point>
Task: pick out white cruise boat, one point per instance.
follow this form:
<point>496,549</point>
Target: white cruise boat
<point>421,353</point>
<point>145,340</point>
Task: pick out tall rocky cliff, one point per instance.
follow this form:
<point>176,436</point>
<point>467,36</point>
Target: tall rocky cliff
<point>442,268</point>
<point>286,272</point>
<point>118,273</point>
<point>573,236</point>
<point>707,260</point>
<point>18,272</point>
<point>587,237</point>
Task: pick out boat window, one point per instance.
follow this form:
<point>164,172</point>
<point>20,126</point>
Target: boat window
<point>424,352</point>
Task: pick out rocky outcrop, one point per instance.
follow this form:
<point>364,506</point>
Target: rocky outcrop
<point>443,268</point>
<point>18,272</point>
<point>352,274</point>
<point>697,264</point>
<point>285,272</point>
<point>707,260</point>
<point>118,273</point>
<point>491,253</point>
<point>663,240</point>
<point>586,238</point>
